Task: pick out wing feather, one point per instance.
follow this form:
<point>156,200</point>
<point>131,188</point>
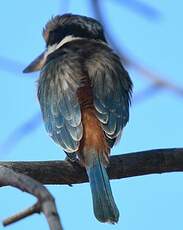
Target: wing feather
<point>111,92</point>
<point>57,93</point>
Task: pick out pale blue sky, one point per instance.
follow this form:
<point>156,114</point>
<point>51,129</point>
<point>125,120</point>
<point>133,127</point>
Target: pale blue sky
<point>146,202</point>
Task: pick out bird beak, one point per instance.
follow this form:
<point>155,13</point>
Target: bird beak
<point>37,64</point>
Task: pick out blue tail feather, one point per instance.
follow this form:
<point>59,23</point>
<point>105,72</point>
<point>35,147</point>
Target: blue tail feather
<point>104,205</point>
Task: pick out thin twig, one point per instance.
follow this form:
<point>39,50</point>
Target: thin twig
<point>20,132</point>
<point>156,78</point>
<point>36,208</point>
<point>144,9</point>
<point>10,65</point>
<point>146,93</point>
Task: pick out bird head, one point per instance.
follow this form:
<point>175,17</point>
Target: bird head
<point>63,29</point>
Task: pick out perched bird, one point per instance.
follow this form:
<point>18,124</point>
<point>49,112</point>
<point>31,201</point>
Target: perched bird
<point>84,94</point>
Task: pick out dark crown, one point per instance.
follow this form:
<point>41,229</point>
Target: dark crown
<point>69,24</point>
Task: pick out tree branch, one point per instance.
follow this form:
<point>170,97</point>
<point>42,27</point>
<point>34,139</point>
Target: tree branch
<point>45,203</point>
<point>27,212</point>
<point>121,166</point>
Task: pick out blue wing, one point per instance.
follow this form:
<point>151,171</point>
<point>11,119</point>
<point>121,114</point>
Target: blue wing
<point>112,87</point>
<point>57,88</point>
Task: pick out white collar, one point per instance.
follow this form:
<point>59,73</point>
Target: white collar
<point>56,46</point>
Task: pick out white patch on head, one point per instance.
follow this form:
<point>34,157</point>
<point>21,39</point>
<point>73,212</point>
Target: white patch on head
<point>56,46</point>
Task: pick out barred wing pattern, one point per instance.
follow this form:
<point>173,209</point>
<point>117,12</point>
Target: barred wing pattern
<point>57,89</point>
<point>111,93</point>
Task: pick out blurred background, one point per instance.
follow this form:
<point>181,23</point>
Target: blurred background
<point>148,36</point>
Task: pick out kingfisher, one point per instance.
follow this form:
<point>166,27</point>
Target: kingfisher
<point>84,94</point>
